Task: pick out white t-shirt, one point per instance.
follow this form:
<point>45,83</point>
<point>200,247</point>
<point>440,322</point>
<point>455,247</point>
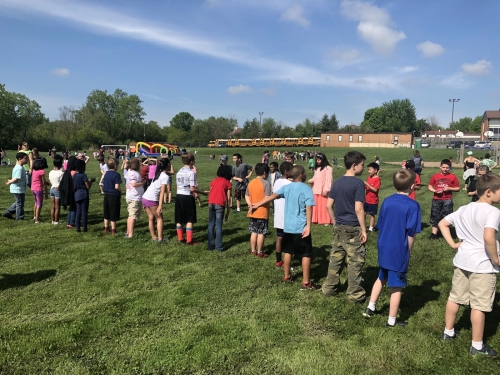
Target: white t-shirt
<point>279,204</point>
<point>55,177</point>
<point>470,222</point>
<point>153,192</point>
<point>134,193</point>
<point>185,179</point>
<point>104,168</point>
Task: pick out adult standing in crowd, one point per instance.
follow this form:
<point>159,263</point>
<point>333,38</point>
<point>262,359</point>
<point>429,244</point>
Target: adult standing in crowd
<point>321,186</point>
<point>28,166</point>
<point>470,164</point>
<point>265,157</point>
<point>488,162</point>
<point>419,162</point>
<point>241,174</point>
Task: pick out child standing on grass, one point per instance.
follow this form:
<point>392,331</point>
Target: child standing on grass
<point>112,194</point>
<point>241,173</point>
<point>442,184</point>
<point>311,162</point>
<point>398,223</point>
<point>476,263</point>
<point>298,220</point>
<point>104,168</point>
<point>185,206</point>
<point>471,189</point>
<point>349,231</point>
<point>134,186</point>
<point>372,186</point>
<point>410,165</point>
<point>38,187</point>
<point>218,201</point>
<point>81,186</point>
<point>55,177</point>
<point>279,209</point>
<point>196,196</point>
<point>151,200</point>
<point>17,187</point>
<point>257,190</point>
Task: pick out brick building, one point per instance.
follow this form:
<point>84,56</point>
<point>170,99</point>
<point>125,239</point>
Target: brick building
<point>357,140</point>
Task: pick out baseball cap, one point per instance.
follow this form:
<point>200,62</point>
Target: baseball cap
<point>223,158</point>
<point>470,153</point>
<point>410,163</point>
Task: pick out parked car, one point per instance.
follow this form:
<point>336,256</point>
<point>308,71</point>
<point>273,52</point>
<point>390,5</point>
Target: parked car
<point>455,144</point>
<point>482,144</point>
<point>425,144</point>
<point>469,144</point>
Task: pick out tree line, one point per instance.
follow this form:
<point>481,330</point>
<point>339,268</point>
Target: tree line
<point>118,118</point>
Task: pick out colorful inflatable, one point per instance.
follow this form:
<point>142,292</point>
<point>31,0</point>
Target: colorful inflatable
<point>155,149</point>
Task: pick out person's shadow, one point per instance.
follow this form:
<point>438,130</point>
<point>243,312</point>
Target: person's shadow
<point>17,280</point>
<point>416,297</point>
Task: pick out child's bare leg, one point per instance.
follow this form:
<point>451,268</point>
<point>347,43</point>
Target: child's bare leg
<point>395,300</point>
<point>57,209</point>
<point>376,290</point>
<point>287,260</point>
<point>253,241</point>
<point>53,210</point>
<point>451,314</point>
<point>130,226</point>
<point>477,319</point>
<point>279,241</point>
<point>306,268</point>
<point>151,222</point>
<point>159,225</point>
<point>372,221</point>
<point>434,230</point>
<point>260,242</point>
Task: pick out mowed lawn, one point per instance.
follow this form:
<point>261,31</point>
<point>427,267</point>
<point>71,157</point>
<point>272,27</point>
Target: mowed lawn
<point>90,303</point>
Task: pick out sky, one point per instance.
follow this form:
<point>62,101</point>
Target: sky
<point>289,59</point>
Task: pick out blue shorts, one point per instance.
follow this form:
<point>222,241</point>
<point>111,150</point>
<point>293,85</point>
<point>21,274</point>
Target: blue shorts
<point>371,209</point>
<point>394,279</point>
<point>54,193</point>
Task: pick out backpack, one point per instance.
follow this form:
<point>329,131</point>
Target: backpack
<point>40,163</point>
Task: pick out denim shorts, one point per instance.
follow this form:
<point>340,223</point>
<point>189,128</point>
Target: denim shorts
<point>55,193</point>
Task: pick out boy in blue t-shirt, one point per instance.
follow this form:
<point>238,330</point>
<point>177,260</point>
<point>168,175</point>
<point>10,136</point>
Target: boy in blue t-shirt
<point>399,221</point>
<point>298,218</point>
<point>17,188</point>
<point>112,193</point>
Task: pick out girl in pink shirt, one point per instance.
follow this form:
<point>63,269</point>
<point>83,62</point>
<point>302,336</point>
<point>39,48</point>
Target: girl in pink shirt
<point>321,186</point>
<point>38,184</point>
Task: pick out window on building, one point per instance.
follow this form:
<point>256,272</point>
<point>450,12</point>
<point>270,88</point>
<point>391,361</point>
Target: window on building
<point>327,138</point>
<point>360,138</point>
<point>340,138</point>
<point>350,138</point>
<point>396,138</point>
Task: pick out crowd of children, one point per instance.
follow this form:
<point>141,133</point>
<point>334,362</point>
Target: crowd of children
<point>297,206</point>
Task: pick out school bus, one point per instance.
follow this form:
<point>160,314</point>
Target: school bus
<point>267,142</point>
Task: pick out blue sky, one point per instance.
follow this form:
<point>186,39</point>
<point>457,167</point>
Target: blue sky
<point>291,60</point>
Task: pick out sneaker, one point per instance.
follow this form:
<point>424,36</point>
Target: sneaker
<point>398,323</point>
<point>192,243</point>
<point>368,313</point>
<point>37,222</point>
<point>433,236</point>
<point>181,241</point>
<point>8,216</point>
<point>288,279</point>
<point>261,254</point>
<point>55,223</point>
<point>279,264</point>
<point>485,350</point>
<point>253,252</point>
<point>309,286</point>
<point>446,337</point>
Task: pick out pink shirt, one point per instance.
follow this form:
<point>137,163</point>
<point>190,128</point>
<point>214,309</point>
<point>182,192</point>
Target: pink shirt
<point>322,180</point>
<point>37,180</point>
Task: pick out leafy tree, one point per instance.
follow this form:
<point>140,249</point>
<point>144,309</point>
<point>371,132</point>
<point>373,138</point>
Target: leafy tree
<point>329,124</point>
<point>182,121</point>
<point>394,116</point>
<point>251,129</point>
<point>476,124</point>
<point>269,128</point>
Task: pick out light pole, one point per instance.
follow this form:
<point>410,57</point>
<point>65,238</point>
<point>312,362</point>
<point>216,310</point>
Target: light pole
<point>144,139</point>
<point>453,101</point>
<point>260,114</point>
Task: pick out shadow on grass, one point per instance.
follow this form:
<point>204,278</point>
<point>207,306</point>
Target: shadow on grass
<point>17,280</point>
<point>416,297</point>
<point>491,323</point>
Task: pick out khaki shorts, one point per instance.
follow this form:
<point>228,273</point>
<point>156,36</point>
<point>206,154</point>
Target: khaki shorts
<point>474,289</point>
<point>134,209</point>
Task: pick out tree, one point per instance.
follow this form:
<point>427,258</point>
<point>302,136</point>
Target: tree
<point>394,116</point>
<point>183,121</point>
<point>251,129</point>
<point>328,124</point>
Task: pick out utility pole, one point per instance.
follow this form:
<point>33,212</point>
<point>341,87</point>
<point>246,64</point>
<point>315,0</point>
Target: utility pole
<point>260,114</point>
<point>453,101</point>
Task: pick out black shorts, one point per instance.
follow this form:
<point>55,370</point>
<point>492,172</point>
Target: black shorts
<point>371,209</point>
<point>185,209</point>
<point>279,232</point>
<point>440,209</point>
<point>238,194</point>
<point>112,205</point>
<point>296,245</point>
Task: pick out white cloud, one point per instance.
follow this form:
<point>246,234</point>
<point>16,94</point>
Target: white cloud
<point>343,56</point>
<point>61,72</point>
<point>233,90</point>
<point>479,68</point>
<point>373,25</point>
<point>430,49</point>
<point>296,14</point>
<point>456,81</point>
<point>406,69</point>
<point>268,91</point>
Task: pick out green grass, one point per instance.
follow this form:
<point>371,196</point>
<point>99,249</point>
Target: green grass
<point>94,304</point>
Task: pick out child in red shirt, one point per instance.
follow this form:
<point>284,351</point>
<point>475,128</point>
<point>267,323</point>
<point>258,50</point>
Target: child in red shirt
<point>218,201</point>
<point>372,186</point>
<point>442,184</point>
<point>410,165</point>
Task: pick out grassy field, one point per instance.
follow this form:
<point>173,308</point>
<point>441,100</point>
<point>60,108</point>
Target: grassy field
<point>89,303</point>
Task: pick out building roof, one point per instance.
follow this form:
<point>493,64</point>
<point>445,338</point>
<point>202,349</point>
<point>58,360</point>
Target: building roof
<point>437,132</point>
<point>491,114</point>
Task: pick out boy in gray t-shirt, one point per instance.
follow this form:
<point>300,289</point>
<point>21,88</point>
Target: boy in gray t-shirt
<point>241,174</point>
<point>349,231</point>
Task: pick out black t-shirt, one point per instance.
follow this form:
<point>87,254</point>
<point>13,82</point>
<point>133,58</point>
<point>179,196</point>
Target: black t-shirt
<point>471,188</point>
<point>346,191</point>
